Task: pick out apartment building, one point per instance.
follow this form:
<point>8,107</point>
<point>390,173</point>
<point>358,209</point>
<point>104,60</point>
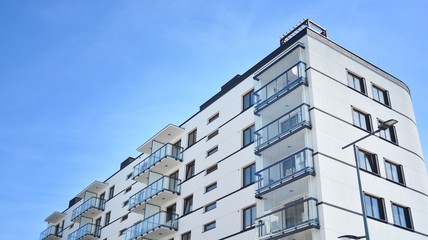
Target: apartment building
<point>264,159</point>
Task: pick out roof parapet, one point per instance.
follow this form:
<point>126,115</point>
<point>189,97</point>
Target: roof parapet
<point>307,23</point>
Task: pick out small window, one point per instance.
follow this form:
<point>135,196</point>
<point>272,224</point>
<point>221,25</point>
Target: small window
<point>128,189</point>
<point>102,196</point>
<point>121,232</point>
<point>249,175</point>
<point>247,100</point>
<point>107,219</point>
<point>212,151</point>
<point>209,226</point>
<point>191,139</point>
<point>248,136</point>
<point>186,236</point>
<point>188,205</point>
<point>357,83</point>
<point>125,203</point>
<point>211,187</point>
<point>375,207</point>
<point>128,176</point>
<point>381,95</point>
<point>362,120</point>
<point>124,218</point>
<point>212,118</point>
<point>249,217</point>
<point>211,169</point>
<point>388,134</point>
<point>190,170</point>
<point>111,193</point>
<point>368,161</point>
<point>394,172</point>
<point>210,206</point>
<point>213,134</point>
<point>402,216</point>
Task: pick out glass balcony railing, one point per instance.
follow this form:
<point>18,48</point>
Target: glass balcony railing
<point>160,219</point>
<point>291,168</point>
<point>292,218</point>
<point>282,126</point>
<point>167,150</point>
<point>51,231</point>
<point>160,185</point>
<point>284,83</point>
<point>88,229</point>
<point>91,203</point>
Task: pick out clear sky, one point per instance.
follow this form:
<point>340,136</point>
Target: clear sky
<point>84,83</point>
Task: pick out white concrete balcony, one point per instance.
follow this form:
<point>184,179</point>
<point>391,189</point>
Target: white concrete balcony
<point>157,226</point>
<point>157,193</point>
<point>161,161</point>
<point>89,208</point>
<point>51,233</point>
<point>88,231</point>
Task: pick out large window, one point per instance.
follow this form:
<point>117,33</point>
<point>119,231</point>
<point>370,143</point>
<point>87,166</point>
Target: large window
<point>381,95</point>
<point>191,139</point>
<point>402,216</point>
<point>388,134</point>
<point>190,170</point>
<point>249,175</point>
<point>248,136</point>
<point>249,216</point>
<point>375,207</point>
<point>356,83</point>
<point>362,120</point>
<point>188,204</point>
<point>186,236</point>
<point>394,172</point>
<point>247,100</point>
<point>368,161</point>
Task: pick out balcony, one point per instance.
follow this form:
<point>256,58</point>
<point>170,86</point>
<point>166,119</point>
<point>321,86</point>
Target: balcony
<point>89,208</point>
<point>170,156</point>
<point>282,127</point>
<point>292,219</point>
<point>161,223</point>
<point>89,231</point>
<point>51,233</point>
<point>289,80</point>
<point>285,171</point>
<point>160,191</point>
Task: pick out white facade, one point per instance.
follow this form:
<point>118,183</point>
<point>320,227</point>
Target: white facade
<point>312,97</point>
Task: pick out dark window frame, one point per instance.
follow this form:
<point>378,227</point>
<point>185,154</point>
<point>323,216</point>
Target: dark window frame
<point>252,171</point>
<point>212,151</point>
<point>190,170</point>
<point>212,134</point>
<point>211,187</point>
<point>210,207</point>
<point>111,193</point>
<point>192,137</point>
<point>211,169</point>
<point>248,100</point>
<point>213,118</point>
<point>370,162</point>
<point>210,226</point>
<point>358,122</point>
<point>375,203</point>
<point>389,134</point>
<point>186,236</point>
<point>249,209</point>
<point>381,95</point>
<point>408,221</point>
<point>107,218</point>
<point>353,79</point>
<point>248,133</point>
<point>389,171</point>
<point>188,205</point>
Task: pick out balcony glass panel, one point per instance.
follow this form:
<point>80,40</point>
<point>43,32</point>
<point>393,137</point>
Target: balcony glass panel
<point>87,230</point>
<point>51,231</point>
<point>167,150</point>
<point>92,202</point>
<point>283,125</point>
<point>285,170</point>
<point>285,82</point>
<point>160,185</point>
<point>294,217</point>
<point>160,219</point>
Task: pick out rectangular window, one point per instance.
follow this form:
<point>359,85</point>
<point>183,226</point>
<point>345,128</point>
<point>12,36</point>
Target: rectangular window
<point>186,236</point>
<point>111,193</point>
<point>124,218</point>
<point>249,175</point>
<point>188,204</point>
<point>128,189</point>
<point>212,151</point>
<point>362,120</point>
<point>368,161</point>
<point>190,170</point>
<point>247,100</point>
<point>388,134</point>
<point>212,118</point>
<point>210,206</point>
<point>103,195</point>
<point>213,134</point>
<point>249,216</point>
<point>209,226</point>
<point>211,169</point>
<point>121,232</point>
<point>248,136</point>
<point>191,138</point>
<point>381,95</point>
<point>356,83</point>
<point>211,187</point>
<point>107,219</point>
<point>402,216</point>
<point>375,207</point>
<point>125,203</point>
<point>394,172</point>
<point>128,176</point>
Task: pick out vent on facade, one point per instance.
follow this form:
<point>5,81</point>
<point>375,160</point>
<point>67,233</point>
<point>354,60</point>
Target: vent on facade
<point>126,162</point>
<point>299,27</point>
<point>73,201</point>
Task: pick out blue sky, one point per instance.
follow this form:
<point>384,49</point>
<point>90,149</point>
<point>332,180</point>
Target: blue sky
<point>84,83</point>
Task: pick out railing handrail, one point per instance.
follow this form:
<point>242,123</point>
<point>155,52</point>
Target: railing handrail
<point>289,205</point>
<point>147,219</point>
<point>284,160</point>
<point>77,211</point>
<point>48,231</point>
<point>93,230</point>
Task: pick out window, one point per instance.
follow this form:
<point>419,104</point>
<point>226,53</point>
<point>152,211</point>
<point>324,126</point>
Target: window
<point>170,212</point>
<point>111,193</point>
<point>212,151</point>
<point>191,138</point>
<point>388,134</point>
<point>356,83</point>
<point>402,216</point>
<point>381,95</point>
<point>121,232</point>
<point>125,203</point>
<point>124,218</point>
<point>188,204</point>
<point>249,216</point>
<point>186,236</point>
<point>362,120</point>
<point>368,161</point>
<point>128,176</point>
<point>211,169</point>
<point>247,100</point>
<point>213,134</point>
<point>103,195</point>
<point>212,118</point>
<point>128,189</point>
<point>249,175</point>
<point>210,206</point>
<point>190,170</point>
<point>248,135</point>
<point>107,219</point>
<point>394,172</point>
<point>209,226</point>
<point>211,187</point>
<point>375,207</point>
